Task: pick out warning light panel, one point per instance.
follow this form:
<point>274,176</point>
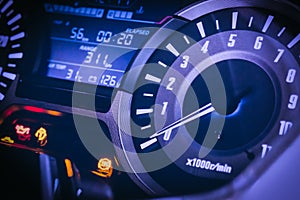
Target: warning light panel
<point>26,126</point>
<point>24,134</point>
<point>105,168</point>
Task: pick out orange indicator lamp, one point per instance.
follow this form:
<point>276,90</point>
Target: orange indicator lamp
<point>69,168</point>
<point>41,135</point>
<point>105,168</point>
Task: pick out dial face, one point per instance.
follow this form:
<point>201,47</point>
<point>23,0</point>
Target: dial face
<point>12,35</point>
<point>214,97</point>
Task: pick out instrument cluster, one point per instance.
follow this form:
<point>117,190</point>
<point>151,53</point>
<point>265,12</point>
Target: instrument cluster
<point>136,99</point>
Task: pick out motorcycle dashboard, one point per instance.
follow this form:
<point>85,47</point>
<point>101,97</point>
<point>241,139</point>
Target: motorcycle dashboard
<point>136,99</point>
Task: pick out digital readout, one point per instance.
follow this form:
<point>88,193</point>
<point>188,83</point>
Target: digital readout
<point>98,53</point>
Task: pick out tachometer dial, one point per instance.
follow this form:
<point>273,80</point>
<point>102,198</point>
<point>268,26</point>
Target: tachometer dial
<point>217,94</point>
<point>12,35</point>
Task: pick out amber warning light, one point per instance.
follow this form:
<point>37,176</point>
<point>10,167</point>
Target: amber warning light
<point>105,168</point>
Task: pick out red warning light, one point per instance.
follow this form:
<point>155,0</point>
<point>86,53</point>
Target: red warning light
<point>23,132</point>
<point>41,110</point>
<point>34,109</point>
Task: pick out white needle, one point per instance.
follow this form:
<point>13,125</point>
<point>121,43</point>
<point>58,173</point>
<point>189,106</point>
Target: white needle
<point>168,130</point>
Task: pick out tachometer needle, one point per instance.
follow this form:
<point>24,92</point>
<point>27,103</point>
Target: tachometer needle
<point>168,129</point>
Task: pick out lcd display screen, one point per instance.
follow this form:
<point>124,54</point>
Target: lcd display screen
<point>91,45</point>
